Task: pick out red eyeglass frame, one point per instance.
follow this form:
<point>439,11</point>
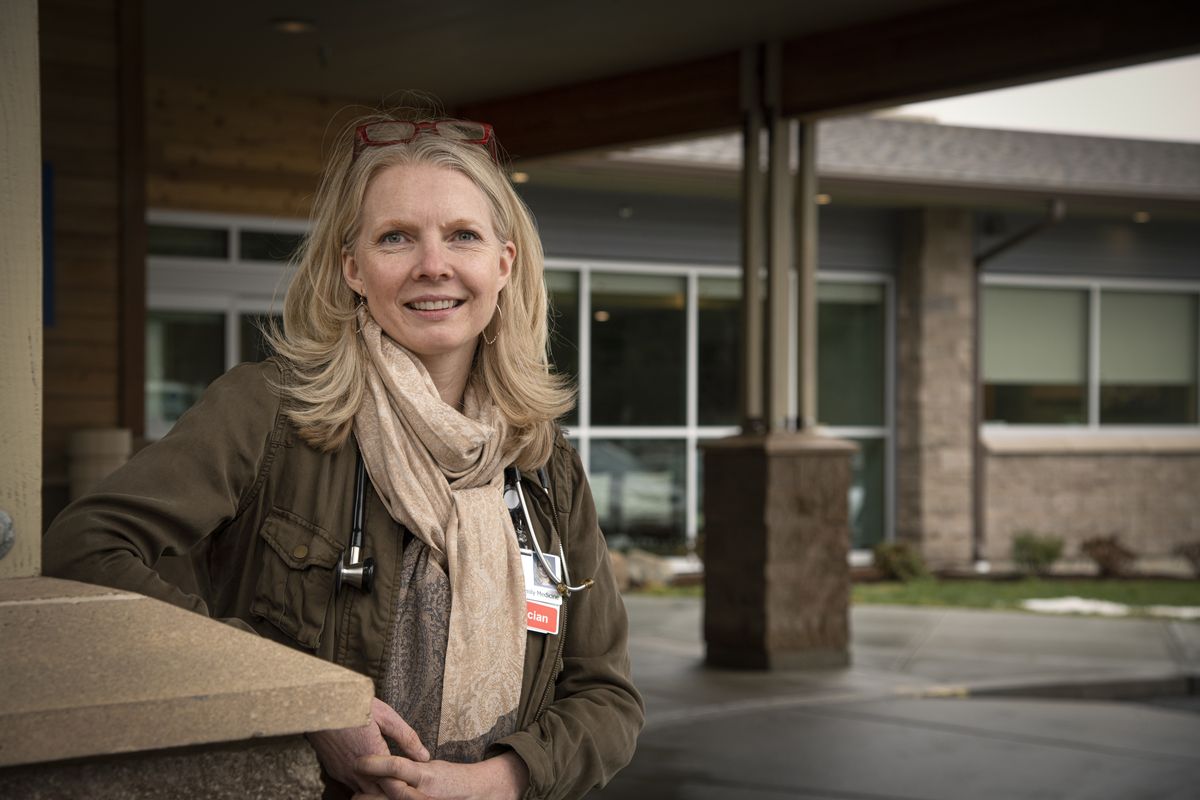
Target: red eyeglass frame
<point>362,139</point>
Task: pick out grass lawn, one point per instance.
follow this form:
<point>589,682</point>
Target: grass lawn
<point>1010,593</point>
<point>1001,594</point>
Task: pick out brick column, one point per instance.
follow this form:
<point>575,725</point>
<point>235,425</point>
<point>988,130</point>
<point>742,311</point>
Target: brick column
<point>777,538</point>
<point>935,385</point>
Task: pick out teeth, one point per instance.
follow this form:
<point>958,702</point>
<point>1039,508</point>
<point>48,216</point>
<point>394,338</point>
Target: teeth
<point>433,305</point>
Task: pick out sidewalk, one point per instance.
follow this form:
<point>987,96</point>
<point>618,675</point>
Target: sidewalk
<point>939,703</point>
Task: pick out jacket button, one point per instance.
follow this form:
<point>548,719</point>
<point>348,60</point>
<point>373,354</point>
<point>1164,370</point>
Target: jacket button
<point>301,551</point>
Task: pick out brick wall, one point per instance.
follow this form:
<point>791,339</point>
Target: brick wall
<point>1150,500</point>
<point>935,328</point>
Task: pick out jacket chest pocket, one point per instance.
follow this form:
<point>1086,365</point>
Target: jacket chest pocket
<point>295,584</point>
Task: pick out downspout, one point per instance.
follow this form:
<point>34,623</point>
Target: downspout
<point>1056,211</point>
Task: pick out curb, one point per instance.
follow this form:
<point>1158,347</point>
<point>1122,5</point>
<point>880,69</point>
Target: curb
<point>1177,684</point>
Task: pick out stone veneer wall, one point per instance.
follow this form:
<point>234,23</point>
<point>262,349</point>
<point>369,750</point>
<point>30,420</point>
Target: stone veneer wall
<point>1150,500</point>
<point>935,330</point>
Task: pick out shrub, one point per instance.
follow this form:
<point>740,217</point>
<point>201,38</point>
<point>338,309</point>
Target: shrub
<point>1034,554</point>
<point>1111,557</point>
<point>900,561</point>
<point>1190,551</point>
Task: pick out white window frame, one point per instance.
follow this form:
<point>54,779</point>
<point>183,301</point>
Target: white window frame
<point>233,286</point>
<point>1092,429</point>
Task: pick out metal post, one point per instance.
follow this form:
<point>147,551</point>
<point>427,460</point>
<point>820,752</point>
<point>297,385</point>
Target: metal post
<point>779,246</point>
<point>806,266</point>
<point>753,230</point>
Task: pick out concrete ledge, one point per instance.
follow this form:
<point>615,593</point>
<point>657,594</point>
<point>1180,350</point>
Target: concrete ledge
<point>1016,442</point>
<point>272,769</point>
<point>91,671</point>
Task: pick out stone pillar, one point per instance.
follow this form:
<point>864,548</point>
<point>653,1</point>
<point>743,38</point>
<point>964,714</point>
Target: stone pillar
<point>777,539</point>
<point>935,385</point>
<point>20,294</point>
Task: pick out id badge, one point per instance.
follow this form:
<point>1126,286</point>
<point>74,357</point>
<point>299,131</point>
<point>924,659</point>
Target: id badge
<point>542,600</point>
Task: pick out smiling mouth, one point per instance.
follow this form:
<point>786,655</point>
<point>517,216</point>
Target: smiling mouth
<point>433,305</point>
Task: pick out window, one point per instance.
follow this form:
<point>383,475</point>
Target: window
<point>184,353</point>
<point>252,345</point>
<point>720,344</point>
<point>268,245</point>
<point>187,240</point>
<point>850,359</point>
<point>1096,355</point>
<point>1035,355</point>
<point>1147,358</point>
<point>639,339</point>
<point>852,396</point>
<point>638,485</point>
<point>562,289</point>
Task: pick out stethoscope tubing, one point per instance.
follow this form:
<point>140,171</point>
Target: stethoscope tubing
<point>564,586</point>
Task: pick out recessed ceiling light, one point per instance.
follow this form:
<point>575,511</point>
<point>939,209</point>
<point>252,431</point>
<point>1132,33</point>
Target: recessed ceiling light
<point>520,177</point>
<point>1141,216</point>
<point>602,316</point>
<point>824,199</point>
<point>293,25</point>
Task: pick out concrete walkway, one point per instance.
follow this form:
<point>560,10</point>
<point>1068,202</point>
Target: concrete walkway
<point>938,704</point>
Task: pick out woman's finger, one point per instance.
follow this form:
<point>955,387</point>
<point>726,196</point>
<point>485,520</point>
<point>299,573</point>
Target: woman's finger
<point>393,727</point>
<point>399,790</point>
<point>401,769</point>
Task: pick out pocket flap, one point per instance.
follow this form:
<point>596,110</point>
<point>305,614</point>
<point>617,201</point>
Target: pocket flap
<point>298,542</point>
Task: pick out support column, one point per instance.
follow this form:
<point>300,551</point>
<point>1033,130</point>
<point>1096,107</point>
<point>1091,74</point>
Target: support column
<point>780,238</point>
<point>935,428</point>
<point>20,294</point>
<point>806,274</point>
<point>753,233</point>
<point>777,519</point>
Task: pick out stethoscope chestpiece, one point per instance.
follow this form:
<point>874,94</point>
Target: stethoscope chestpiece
<point>356,574</point>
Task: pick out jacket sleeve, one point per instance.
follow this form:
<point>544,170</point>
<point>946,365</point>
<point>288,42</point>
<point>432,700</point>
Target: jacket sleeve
<point>172,494</point>
<point>588,733</point>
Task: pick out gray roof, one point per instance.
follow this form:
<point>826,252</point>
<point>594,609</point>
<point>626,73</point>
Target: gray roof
<point>906,151</point>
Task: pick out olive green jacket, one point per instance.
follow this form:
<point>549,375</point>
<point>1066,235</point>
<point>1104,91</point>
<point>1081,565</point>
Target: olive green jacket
<point>263,518</point>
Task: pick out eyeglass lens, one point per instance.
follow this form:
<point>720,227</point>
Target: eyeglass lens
<point>388,132</point>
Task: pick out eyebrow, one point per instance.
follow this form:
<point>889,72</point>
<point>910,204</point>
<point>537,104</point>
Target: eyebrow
<point>460,222</point>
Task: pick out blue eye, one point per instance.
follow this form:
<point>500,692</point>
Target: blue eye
<point>466,236</point>
<point>392,237</point>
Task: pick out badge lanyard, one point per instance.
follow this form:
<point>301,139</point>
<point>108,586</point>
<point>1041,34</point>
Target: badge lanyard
<point>518,509</point>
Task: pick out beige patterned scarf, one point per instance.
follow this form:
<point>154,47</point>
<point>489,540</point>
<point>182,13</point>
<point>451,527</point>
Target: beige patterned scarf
<point>440,474</point>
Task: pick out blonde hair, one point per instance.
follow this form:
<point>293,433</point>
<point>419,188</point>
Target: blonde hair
<point>319,341</point>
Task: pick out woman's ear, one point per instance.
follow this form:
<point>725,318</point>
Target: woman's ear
<point>350,272</point>
<point>508,255</point>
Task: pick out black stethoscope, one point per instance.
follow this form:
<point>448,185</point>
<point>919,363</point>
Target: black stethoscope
<point>361,573</point>
<point>518,509</point>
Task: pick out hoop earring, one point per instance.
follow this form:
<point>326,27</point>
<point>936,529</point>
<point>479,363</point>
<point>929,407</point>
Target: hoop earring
<point>362,302</point>
<point>484,331</point>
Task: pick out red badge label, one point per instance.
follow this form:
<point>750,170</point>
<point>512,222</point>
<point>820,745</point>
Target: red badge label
<point>540,617</point>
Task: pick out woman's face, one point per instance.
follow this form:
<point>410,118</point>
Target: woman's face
<point>429,262</point>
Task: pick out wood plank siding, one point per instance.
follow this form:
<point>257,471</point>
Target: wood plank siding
<point>80,140</point>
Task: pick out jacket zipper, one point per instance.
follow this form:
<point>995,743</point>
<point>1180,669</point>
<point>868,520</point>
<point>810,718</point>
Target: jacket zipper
<point>562,637</point>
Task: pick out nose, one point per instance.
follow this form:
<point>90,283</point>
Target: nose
<point>432,263</point>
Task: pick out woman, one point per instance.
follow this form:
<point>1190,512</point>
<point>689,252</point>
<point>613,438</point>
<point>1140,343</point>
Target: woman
<point>414,345</point>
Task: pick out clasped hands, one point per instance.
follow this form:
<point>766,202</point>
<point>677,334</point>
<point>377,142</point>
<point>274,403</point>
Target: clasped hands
<point>360,759</point>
